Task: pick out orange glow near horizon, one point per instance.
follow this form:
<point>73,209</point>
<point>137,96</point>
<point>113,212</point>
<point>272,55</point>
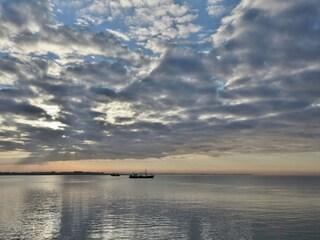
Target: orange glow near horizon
<point>272,164</point>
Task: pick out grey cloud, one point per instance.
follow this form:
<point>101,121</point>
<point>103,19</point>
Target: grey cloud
<point>24,14</point>
<point>182,78</point>
<point>10,145</point>
<point>105,94</point>
<point>12,92</point>
<point>104,91</point>
<point>8,66</point>
<point>114,75</point>
<point>261,38</point>
<point>9,106</point>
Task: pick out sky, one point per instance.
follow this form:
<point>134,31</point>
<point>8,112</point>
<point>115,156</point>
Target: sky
<point>216,86</point>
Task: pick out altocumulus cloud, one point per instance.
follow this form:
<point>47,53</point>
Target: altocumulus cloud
<point>68,91</point>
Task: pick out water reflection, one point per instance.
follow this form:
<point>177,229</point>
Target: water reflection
<point>101,207</point>
<point>29,210</point>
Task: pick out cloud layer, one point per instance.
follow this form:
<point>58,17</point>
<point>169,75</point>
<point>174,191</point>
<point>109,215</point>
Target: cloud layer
<point>70,92</point>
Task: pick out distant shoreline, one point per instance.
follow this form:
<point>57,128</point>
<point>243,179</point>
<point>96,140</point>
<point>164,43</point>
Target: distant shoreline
<point>54,173</point>
<point>105,173</point>
<point>79,173</point>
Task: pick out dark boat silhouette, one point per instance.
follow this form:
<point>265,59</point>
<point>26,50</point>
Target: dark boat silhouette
<point>141,175</point>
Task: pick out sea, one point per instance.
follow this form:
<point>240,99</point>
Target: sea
<point>235,207</point>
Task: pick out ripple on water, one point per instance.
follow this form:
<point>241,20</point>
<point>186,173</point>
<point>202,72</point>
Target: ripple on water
<point>186,207</point>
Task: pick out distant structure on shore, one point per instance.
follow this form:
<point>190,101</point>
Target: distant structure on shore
<point>115,174</point>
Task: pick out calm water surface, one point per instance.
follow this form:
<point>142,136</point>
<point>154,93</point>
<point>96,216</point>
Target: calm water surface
<point>167,207</point>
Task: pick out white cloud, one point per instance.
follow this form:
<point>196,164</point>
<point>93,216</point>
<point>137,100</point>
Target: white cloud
<point>86,20</point>
<point>216,8</point>
<point>161,19</point>
<point>119,34</point>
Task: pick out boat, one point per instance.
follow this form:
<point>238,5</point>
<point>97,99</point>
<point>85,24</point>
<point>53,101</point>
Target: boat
<point>136,175</point>
<point>115,174</point>
<point>141,175</point>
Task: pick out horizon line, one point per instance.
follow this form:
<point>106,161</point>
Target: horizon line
<point>48,173</point>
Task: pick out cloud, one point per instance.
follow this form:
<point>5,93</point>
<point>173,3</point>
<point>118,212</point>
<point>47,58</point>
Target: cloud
<point>216,8</point>
<point>119,34</point>
<point>28,28</point>
<point>146,22</point>
<point>271,51</point>
<point>69,92</point>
